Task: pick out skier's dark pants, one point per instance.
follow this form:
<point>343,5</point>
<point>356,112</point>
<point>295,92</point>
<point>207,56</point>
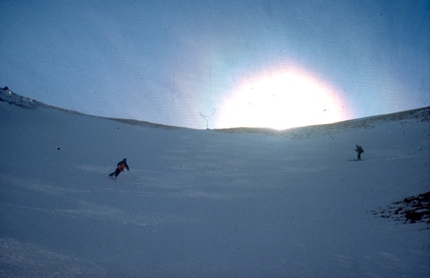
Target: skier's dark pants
<point>116,173</point>
<point>359,156</point>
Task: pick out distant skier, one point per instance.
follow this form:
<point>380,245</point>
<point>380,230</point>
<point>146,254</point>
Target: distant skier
<point>359,151</point>
<point>120,168</point>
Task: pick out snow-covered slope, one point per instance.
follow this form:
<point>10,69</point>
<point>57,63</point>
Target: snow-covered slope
<point>207,203</point>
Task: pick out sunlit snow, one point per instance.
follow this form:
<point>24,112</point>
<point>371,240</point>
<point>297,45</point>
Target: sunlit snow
<point>207,203</point>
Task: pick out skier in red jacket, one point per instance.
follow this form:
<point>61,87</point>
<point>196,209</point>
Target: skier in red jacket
<point>120,168</point>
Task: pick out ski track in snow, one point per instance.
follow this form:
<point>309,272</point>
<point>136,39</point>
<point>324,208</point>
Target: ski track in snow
<point>230,203</point>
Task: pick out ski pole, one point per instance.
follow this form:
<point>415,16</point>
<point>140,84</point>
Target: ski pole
<point>132,175</point>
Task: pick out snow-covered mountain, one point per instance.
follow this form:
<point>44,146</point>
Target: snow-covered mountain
<point>210,203</point>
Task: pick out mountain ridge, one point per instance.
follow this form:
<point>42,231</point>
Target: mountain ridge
<point>420,114</point>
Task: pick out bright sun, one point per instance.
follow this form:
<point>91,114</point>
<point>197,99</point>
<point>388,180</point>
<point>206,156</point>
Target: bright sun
<point>281,100</point>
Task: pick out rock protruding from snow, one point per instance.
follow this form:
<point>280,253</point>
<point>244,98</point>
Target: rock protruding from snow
<point>6,95</point>
<point>412,209</point>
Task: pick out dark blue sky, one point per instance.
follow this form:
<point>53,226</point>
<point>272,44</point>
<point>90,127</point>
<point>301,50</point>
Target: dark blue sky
<point>239,63</point>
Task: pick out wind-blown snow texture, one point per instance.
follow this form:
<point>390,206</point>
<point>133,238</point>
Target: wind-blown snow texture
<point>219,203</point>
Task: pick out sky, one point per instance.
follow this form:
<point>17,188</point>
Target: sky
<point>219,64</point>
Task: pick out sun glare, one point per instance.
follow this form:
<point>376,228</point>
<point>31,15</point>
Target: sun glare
<point>281,100</point>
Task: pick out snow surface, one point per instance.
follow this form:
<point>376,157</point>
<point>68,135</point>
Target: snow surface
<point>207,203</point>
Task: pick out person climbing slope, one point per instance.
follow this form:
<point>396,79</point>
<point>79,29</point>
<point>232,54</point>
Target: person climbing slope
<point>120,168</point>
<point>359,151</point>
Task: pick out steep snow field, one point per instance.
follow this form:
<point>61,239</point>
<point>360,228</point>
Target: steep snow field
<point>207,203</point>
